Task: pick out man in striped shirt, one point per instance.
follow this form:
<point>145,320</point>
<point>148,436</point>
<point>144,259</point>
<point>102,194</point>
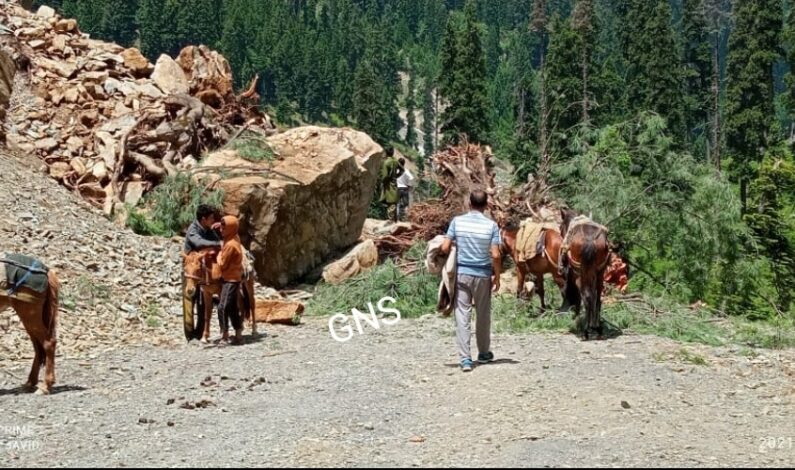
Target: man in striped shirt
<point>479,266</point>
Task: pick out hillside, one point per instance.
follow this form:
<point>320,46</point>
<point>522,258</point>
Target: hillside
<point>118,288</point>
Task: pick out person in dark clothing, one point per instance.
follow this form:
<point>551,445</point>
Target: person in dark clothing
<point>203,232</point>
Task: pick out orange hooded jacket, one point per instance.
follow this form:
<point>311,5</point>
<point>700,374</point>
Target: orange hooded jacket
<point>230,259</point>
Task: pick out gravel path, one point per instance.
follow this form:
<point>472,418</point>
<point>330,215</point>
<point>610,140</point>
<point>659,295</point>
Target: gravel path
<point>394,397</point>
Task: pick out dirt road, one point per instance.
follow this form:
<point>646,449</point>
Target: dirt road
<point>395,397</point>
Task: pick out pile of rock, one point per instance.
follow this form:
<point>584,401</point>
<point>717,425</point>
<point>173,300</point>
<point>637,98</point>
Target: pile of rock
<point>109,124</point>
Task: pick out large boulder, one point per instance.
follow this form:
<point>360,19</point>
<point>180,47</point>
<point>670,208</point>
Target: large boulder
<point>7,71</point>
<point>307,205</point>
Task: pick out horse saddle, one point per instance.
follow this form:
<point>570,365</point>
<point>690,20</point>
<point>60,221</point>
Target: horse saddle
<point>530,239</point>
<point>18,271</point>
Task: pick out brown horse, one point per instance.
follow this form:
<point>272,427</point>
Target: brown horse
<point>584,257</point>
<point>199,285</point>
<point>39,315</point>
<point>539,265</point>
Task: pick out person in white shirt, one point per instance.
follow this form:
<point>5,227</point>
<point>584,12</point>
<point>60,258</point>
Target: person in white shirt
<point>404,185</point>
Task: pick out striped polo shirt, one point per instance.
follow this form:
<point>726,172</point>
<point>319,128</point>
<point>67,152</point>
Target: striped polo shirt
<point>474,235</point>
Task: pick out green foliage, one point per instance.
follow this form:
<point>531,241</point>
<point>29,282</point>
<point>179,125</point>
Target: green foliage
<point>753,49</point>
<point>428,119</point>
<point>154,33</point>
<point>463,82</point>
<point>770,218</point>
<point>171,206</point>
<point>411,106</point>
<point>368,110</point>
<point>655,74</point>
<point>338,61</point>
<point>697,67</point>
<point>676,220</point>
<point>118,21</point>
<point>194,22</point>
<point>415,293</point>
<point>253,148</point>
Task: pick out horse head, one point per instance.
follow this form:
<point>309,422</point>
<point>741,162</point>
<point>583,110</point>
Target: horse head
<point>508,233</point>
<point>567,215</point>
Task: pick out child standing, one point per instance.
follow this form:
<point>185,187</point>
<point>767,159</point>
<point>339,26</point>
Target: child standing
<point>230,271</point>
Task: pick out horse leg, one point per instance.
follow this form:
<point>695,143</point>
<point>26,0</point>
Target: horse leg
<point>561,283</point>
<point>598,306</point>
<point>539,282</point>
<point>31,317</point>
<point>208,313</point>
<point>49,375</point>
<point>38,360</point>
<point>521,275</point>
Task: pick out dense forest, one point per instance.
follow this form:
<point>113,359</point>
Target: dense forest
<point>671,121</point>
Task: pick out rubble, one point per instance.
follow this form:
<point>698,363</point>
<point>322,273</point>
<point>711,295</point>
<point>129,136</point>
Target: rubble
<point>122,117</point>
<point>7,72</point>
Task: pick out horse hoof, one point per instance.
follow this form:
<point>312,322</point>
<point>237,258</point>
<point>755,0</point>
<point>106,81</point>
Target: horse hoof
<point>42,391</point>
<point>205,340</point>
<point>29,388</point>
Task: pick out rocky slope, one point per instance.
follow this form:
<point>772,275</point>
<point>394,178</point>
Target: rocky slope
<point>118,288</point>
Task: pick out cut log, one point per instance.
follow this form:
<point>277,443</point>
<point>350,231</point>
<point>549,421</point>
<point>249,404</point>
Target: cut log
<point>361,258</point>
<point>278,311</point>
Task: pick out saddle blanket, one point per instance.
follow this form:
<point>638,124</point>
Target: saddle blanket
<point>528,240</point>
<point>17,271</point>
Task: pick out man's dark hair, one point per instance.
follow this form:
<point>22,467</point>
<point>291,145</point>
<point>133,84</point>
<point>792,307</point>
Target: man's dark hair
<point>390,151</point>
<point>479,200</point>
<point>402,161</point>
<point>205,210</point>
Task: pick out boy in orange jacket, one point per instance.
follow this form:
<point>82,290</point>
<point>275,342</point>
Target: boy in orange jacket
<point>229,269</point>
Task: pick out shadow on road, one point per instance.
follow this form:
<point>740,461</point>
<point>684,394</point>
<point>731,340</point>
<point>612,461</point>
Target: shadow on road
<point>492,363</point>
<point>55,390</point>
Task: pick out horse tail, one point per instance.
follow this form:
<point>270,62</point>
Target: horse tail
<point>588,253</point>
<point>591,274</point>
<point>50,311</point>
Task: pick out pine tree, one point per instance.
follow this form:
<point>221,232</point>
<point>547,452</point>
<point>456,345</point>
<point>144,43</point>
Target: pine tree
<point>343,89</point>
<point>654,78</point>
<point>370,116</point>
<point>564,85</point>
<point>789,49</point>
<point>448,56</point>
<point>697,67</point>
<point>428,119</point>
<point>88,14</point>
<point>196,22</point>
<point>753,49</point>
<point>718,15</point>
<point>493,50</point>
<point>118,22</point>
<point>769,222</point>
<point>467,95</point>
<point>411,105</point>
<point>583,22</point>
<point>539,27</point>
<point>154,30</point>
<point>238,29</point>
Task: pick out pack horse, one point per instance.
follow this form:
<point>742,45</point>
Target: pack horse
<point>31,289</point>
